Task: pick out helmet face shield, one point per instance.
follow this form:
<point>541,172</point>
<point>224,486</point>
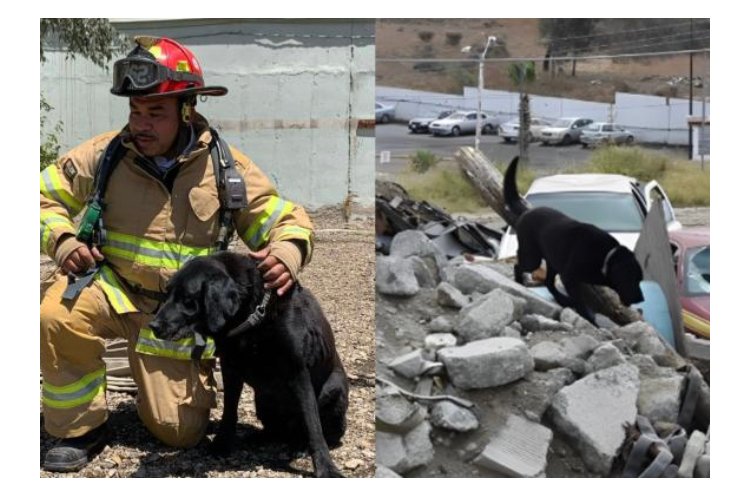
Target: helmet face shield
<point>160,67</point>
<point>137,74</point>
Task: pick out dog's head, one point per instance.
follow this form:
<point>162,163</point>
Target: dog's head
<point>624,275</point>
<point>201,297</point>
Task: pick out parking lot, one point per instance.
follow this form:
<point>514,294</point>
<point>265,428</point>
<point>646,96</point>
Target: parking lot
<point>396,140</point>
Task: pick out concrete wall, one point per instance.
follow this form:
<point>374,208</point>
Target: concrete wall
<point>652,119</point>
<point>300,100</point>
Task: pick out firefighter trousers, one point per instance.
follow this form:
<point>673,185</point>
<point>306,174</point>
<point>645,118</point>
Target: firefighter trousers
<point>175,393</point>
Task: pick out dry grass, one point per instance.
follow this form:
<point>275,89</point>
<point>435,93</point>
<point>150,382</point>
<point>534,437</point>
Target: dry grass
<point>684,181</point>
<point>445,186</point>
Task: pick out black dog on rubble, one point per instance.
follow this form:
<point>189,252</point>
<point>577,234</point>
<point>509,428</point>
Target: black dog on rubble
<point>285,350</point>
<point>578,252</point>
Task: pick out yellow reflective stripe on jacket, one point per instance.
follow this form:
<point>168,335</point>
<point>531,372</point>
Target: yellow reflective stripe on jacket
<point>159,254</point>
<point>181,349</point>
<point>50,185</point>
<point>258,232</point>
<point>114,292</point>
<point>84,390</point>
<point>49,221</point>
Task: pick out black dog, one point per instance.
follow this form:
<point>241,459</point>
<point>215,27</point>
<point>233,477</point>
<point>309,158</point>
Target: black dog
<point>287,354</point>
<point>579,252</point>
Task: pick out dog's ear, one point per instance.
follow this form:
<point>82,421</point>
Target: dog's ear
<point>221,302</point>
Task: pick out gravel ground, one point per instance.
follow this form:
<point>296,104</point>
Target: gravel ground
<point>341,276</point>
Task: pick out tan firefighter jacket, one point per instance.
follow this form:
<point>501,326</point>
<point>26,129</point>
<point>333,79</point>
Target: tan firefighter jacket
<point>150,232</point>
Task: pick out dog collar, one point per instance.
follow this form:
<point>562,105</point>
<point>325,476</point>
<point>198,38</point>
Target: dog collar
<point>254,319</point>
<point>606,260</point>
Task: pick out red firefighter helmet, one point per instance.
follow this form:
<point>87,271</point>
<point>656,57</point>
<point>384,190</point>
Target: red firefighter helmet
<point>160,67</point>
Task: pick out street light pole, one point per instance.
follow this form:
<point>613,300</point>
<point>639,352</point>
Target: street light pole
<point>480,85</point>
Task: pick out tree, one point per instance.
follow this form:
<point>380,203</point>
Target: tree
<point>521,74</point>
<point>94,39</point>
<point>568,37</point>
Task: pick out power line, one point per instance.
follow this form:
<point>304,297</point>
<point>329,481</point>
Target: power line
<point>657,40</point>
<point>541,59</point>
<point>615,33</point>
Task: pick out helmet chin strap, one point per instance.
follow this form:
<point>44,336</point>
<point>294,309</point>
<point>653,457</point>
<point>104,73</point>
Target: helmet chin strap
<point>186,112</point>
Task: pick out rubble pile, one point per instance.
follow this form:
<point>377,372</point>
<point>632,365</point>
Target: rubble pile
<point>481,376</point>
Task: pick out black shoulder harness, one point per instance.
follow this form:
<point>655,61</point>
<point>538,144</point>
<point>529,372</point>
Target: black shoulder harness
<point>229,183</point>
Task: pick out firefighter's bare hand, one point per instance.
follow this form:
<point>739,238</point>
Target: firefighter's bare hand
<point>275,273</point>
<point>82,259</point>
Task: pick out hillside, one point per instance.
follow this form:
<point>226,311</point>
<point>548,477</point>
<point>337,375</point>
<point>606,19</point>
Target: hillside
<point>595,80</point>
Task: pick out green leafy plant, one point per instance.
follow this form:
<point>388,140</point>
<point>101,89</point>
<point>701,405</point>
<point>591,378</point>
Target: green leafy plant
<point>423,161</point>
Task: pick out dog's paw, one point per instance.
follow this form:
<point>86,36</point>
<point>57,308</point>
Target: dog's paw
<point>328,472</point>
<point>221,446</point>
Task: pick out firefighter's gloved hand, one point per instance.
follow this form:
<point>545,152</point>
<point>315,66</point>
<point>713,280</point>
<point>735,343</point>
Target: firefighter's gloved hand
<point>82,259</point>
<point>275,274</point>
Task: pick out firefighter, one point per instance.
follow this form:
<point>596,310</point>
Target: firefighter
<point>160,208</point>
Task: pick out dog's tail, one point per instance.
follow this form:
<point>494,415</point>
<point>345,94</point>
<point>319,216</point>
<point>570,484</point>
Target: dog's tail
<point>515,205</point>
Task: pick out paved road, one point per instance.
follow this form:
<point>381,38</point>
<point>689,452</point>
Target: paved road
<point>396,138</point>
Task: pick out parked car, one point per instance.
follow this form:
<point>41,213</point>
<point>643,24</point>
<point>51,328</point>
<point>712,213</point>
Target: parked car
<point>463,122</point>
<point>615,203</point>
<point>384,113</point>
<point>598,133</point>
<point>691,248</point>
<point>564,131</point>
<point>422,124</point>
<point>509,130</point>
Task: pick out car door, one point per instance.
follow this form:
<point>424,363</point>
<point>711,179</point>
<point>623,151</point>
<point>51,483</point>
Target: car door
<point>469,123</point>
<point>653,190</point>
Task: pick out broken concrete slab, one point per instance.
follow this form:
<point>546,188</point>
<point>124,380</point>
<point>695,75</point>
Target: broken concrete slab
<point>570,316</point>
<point>441,324</point>
<point>402,453</point>
<point>395,276</point>
<point>471,278</point>
<point>580,346</point>
<point>693,450</point>
<point>437,341</point>
<point>547,355</point>
<point>487,362</point>
<point>450,416</point>
<point>659,398</point>
<point>519,449</point>
<point>394,413</point>
<point>415,243</point>
<point>408,365</point>
<point>384,472</point>
<point>487,316</point>
<point>605,356</point>
<point>539,388</point>
<point>592,413</point>
<point>536,323</point>
<point>426,277</point>
<point>449,296</point>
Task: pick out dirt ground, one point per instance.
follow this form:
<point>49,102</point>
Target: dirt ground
<point>341,276</point>
<point>595,80</point>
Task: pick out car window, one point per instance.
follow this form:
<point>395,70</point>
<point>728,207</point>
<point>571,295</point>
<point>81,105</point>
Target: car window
<point>561,123</point>
<point>606,128</point>
<point>457,115</point>
<point>471,116</point>
<point>443,114</point>
<point>614,212</point>
<point>378,106</point>
<point>698,271</point>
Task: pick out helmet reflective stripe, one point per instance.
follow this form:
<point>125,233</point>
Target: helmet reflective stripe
<point>77,393</point>
<point>181,349</point>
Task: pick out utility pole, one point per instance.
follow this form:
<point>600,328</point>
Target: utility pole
<point>491,40</point>
<point>690,106</point>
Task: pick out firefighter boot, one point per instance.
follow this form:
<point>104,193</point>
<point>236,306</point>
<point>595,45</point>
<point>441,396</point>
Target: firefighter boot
<point>71,454</point>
